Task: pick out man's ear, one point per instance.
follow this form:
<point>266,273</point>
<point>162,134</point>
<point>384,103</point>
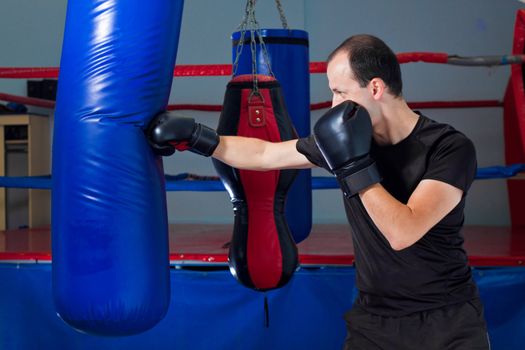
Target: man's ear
<point>377,88</point>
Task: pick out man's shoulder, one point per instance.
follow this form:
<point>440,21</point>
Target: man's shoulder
<point>432,132</point>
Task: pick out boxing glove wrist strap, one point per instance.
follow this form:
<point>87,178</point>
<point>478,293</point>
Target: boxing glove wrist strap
<point>204,140</point>
<point>353,183</point>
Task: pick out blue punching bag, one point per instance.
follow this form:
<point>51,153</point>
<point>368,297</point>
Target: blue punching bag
<point>287,55</point>
<point>109,218</point>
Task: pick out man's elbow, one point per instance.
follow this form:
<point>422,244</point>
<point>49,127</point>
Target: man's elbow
<point>399,245</point>
<point>403,240</point>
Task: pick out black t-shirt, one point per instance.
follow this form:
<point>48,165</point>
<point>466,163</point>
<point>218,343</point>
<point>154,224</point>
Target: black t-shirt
<point>434,271</point>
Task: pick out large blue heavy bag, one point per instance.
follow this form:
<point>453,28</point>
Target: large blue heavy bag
<point>109,219</point>
<point>289,61</point>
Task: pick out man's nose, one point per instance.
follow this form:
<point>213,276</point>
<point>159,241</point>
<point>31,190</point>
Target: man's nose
<point>336,100</point>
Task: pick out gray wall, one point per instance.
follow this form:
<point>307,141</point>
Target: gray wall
<point>33,34</point>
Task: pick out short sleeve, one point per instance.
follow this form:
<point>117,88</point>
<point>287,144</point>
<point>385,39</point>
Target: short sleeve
<point>453,161</point>
<point>309,149</point>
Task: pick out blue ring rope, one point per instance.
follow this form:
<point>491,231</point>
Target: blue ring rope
<point>188,182</point>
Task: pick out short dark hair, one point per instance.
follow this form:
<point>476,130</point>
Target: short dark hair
<point>369,57</point>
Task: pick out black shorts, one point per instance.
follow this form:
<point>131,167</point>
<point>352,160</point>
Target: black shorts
<point>460,326</point>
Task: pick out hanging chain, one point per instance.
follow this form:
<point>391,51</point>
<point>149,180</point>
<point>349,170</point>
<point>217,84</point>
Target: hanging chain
<point>253,49</point>
<point>242,30</point>
<point>281,14</point>
<point>249,22</point>
<point>253,25</point>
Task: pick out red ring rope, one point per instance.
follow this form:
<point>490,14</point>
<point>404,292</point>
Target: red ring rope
<point>37,102</point>
<point>194,70</point>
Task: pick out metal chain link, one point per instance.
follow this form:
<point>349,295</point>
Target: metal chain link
<point>281,14</point>
<point>242,30</point>
<point>249,22</point>
<point>253,25</point>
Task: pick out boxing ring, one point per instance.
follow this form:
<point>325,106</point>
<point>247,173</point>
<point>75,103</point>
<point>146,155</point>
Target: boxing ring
<point>210,309</point>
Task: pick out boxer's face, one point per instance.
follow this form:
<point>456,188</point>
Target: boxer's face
<point>342,83</point>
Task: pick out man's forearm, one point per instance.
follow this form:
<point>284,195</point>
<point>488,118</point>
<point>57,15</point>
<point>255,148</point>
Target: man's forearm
<point>255,154</point>
<point>395,220</point>
<point>241,152</point>
<point>404,224</point>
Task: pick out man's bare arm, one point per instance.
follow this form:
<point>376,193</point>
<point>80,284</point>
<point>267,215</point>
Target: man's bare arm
<point>404,224</point>
<point>255,154</point>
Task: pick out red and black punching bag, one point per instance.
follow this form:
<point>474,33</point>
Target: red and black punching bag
<point>263,254</point>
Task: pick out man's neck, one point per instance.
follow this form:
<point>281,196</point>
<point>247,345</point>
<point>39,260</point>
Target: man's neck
<point>394,123</point>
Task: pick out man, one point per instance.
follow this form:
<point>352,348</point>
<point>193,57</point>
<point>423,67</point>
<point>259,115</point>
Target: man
<point>404,179</point>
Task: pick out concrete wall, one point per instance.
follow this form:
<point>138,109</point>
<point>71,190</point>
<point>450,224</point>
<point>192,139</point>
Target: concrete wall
<point>32,35</point>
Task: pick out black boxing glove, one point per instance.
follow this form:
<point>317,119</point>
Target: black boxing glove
<point>169,132</point>
<point>343,135</point>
